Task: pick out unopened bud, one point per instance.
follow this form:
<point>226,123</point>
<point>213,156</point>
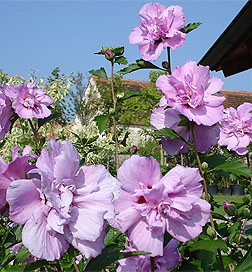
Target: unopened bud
<point>109,54</point>
<point>133,149</point>
<point>103,49</point>
<point>211,232</point>
<point>204,166</point>
<point>227,205</point>
<point>165,65</point>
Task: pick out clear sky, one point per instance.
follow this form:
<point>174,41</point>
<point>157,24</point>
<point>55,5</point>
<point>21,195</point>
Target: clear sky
<point>44,34</point>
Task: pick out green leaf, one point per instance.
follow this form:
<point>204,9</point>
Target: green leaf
<point>169,133</point>
<point>218,216</point>
<point>118,50</point>
<point>140,64</point>
<point>108,256</point>
<point>213,160</point>
<point>92,139</point>
<point>101,122</point>
<point>100,73</point>
<point>10,257</point>
<point>209,245</point>
<point>121,60</point>
<point>236,167</point>
<point>51,117</point>
<point>131,94</point>
<point>249,147</point>
<point>22,255</point>
<point>35,265</point>
<point>190,27</point>
<point>245,264</point>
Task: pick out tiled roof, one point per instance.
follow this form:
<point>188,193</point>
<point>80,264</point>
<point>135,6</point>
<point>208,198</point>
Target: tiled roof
<point>236,98</point>
<point>233,98</point>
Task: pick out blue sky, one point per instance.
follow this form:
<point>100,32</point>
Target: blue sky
<point>44,34</point>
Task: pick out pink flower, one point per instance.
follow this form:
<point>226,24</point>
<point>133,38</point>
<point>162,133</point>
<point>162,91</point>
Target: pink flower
<point>67,205</point>
<point>205,136</point>
<point>227,204</point>
<point>5,112</point>
<point>189,89</point>
<point>17,169</point>
<point>163,263</point>
<point>30,102</point>
<point>159,28</point>
<point>236,128</point>
<point>150,204</point>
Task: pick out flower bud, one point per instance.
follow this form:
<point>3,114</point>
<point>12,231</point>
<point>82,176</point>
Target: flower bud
<point>109,55</point>
<point>103,49</point>
<point>211,232</point>
<point>227,204</point>
<point>204,166</point>
<point>133,149</point>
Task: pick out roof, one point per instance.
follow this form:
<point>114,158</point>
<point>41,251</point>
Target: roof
<point>233,98</point>
<point>236,98</point>
<point>232,51</point>
<point>135,85</point>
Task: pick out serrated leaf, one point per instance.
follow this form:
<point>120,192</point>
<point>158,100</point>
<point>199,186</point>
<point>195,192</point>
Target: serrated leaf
<point>121,60</point>
<point>245,264</point>
<point>213,160</point>
<point>140,64</point>
<point>100,73</point>
<point>169,133</point>
<point>190,27</point>
<point>22,254</point>
<point>118,50</point>
<point>209,245</point>
<point>236,167</point>
<point>108,256</point>
<point>101,122</point>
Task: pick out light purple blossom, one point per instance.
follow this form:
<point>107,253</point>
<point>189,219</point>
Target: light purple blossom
<point>5,112</point>
<point>190,90</point>
<point>159,28</point>
<point>236,128</point>
<point>163,263</point>
<point>205,136</point>
<point>30,102</point>
<point>150,204</point>
<point>66,205</point>
<point>18,168</point>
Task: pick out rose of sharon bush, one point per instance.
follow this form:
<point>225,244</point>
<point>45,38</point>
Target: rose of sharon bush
<point>236,128</point>
<point>5,112</point>
<point>190,90</point>
<point>159,28</point>
<point>150,204</point>
<point>205,136</point>
<point>67,205</point>
<point>163,263</point>
<point>30,102</point>
<point>18,168</point>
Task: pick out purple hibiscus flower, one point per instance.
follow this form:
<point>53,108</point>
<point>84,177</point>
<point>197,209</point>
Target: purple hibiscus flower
<point>150,204</point>
<point>30,101</point>
<point>236,128</point>
<point>163,263</point>
<point>68,204</point>
<point>17,169</point>
<point>159,28</point>
<point>5,112</point>
<point>189,89</point>
<point>205,136</point>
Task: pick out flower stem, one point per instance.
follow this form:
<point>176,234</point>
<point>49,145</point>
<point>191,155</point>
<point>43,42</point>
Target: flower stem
<point>75,265</point>
<point>113,117</point>
<point>203,174</point>
<point>35,133</point>
<point>152,259</point>
<point>169,60</point>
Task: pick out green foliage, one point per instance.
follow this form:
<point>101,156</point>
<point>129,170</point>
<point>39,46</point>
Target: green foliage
<point>100,73</point>
<point>140,64</point>
<point>101,121</point>
<point>190,27</point>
